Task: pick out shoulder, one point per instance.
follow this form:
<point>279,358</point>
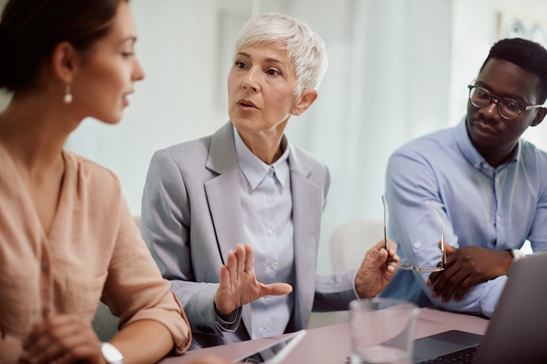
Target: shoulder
<point>424,145</point>
<point>191,150</point>
<point>90,173</point>
<point>534,156</point>
<point>309,166</point>
<point>95,187</point>
<point>306,160</point>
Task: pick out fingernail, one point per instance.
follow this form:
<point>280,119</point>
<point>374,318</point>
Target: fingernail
<point>428,282</point>
<point>433,294</point>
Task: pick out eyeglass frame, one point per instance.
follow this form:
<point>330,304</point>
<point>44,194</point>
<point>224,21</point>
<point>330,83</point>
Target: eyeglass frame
<point>408,266</point>
<point>499,99</point>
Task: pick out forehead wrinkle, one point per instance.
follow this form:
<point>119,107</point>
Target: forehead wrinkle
<point>268,59</point>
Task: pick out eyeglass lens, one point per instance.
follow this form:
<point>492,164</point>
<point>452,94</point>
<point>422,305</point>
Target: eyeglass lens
<point>481,97</point>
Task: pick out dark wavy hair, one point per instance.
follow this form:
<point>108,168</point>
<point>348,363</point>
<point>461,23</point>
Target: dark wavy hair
<point>30,30</point>
<point>528,55</point>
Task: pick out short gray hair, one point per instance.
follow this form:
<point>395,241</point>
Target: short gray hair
<point>305,49</point>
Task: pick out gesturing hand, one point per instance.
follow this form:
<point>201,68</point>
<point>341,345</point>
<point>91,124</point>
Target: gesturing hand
<point>238,284</point>
<point>377,269</point>
<point>465,268</point>
<point>62,339</point>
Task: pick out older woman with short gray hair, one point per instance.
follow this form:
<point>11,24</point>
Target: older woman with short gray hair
<point>233,219</point>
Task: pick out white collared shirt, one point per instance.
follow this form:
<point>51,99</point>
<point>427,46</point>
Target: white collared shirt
<point>266,202</point>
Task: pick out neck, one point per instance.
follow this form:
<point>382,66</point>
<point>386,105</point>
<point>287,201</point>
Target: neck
<point>498,157</point>
<point>267,148</point>
<point>34,131</point>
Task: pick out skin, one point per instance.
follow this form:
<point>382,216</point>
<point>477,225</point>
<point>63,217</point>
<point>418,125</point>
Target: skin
<point>33,128</point>
<point>262,98</point>
<point>496,139</point>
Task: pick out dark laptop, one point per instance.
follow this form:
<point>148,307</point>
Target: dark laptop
<point>517,330</point>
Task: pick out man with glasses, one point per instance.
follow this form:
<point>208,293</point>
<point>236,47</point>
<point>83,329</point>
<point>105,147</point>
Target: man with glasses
<point>488,185</point>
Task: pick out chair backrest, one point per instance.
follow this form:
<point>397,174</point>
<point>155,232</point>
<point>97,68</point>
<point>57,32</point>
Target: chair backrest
<point>351,240</point>
<point>105,323</point>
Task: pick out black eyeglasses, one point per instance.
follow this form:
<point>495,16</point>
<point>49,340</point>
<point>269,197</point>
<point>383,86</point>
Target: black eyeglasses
<point>408,266</point>
<point>508,108</point>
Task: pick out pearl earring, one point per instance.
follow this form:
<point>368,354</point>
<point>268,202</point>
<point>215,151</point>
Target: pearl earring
<point>67,99</point>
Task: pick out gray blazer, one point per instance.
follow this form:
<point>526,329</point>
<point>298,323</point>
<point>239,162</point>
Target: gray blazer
<point>191,218</point>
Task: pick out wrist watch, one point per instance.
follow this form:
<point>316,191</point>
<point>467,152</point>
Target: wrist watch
<point>516,254</point>
<point>111,354</point>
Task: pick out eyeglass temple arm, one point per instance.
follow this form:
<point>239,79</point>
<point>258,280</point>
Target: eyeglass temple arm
<point>443,250</point>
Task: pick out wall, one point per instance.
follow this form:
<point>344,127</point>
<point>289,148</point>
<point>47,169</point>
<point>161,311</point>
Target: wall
<point>370,102</point>
<point>476,26</point>
<point>398,69</point>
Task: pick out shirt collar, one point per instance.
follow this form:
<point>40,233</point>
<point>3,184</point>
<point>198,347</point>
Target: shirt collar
<point>254,169</point>
<point>471,153</point>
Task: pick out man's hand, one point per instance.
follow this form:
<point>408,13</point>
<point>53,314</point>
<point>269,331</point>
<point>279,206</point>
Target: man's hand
<point>62,339</point>
<point>238,284</point>
<point>377,269</point>
<point>465,268</point>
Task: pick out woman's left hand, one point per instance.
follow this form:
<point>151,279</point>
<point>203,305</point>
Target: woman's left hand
<point>238,284</point>
<point>376,270</point>
<point>62,339</point>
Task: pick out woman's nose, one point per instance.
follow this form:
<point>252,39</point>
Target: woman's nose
<point>138,72</point>
<point>250,80</point>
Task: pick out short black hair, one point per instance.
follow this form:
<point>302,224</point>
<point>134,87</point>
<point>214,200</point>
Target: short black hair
<point>528,55</point>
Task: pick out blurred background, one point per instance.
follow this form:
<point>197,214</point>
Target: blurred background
<point>398,69</point>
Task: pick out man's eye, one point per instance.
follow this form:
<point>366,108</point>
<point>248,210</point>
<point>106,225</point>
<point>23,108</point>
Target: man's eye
<point>511,105</point>
<point>483,94</point>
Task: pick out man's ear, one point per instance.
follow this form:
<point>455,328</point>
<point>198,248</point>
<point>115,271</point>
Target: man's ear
<point>539,116</point>
<point>305,100</point>
<point>64,61</point>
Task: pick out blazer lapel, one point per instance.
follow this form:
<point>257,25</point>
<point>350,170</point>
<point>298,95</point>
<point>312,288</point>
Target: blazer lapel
<point>223,191</point>
<point>307,210</point>
<point>223,197</point>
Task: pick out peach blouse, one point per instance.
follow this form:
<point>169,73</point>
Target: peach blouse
<point>93,251</point>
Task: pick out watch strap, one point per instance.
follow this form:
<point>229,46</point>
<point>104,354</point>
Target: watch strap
<point>111,353</point>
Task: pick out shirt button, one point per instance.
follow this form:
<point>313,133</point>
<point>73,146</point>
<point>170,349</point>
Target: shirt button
<point>273,265</point>
<point>417,245</point>
<point>45,265</point>
<point>263,326</point>
<point>268,199</point>
<point>269,232</point>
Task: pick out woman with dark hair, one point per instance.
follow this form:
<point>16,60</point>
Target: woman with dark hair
<point>67,238</point>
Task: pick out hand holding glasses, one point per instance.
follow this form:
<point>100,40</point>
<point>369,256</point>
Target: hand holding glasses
<point>408,266</point>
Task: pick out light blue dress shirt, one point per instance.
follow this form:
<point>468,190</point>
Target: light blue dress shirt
<point>494,208</point>
<point>267,224</point>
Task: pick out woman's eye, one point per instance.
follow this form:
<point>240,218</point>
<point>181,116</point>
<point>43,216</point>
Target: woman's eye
<point>239,64</point>
<point>272,72</point>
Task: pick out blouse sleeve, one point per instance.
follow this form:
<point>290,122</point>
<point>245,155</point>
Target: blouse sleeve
<point>135,290</point>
